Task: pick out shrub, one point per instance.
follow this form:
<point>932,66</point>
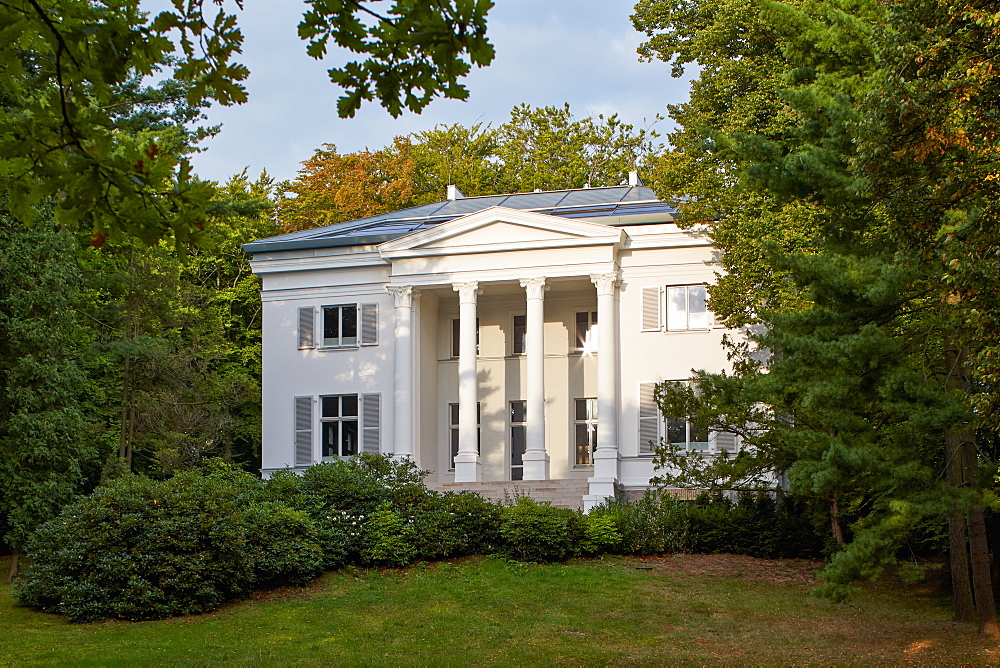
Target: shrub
<point>656,523</point>
<point>533,531</point>
<point>388,539</point>
<point>595,534</point>
<point>141,549</point>
<point>283,544</point>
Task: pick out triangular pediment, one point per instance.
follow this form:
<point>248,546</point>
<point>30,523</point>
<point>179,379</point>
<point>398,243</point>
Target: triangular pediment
<point>501,229</point>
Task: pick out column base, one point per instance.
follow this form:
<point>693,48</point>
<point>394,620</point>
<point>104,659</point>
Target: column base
<point>604,482</point>
<point>536,465</point>
<point>467,468</point>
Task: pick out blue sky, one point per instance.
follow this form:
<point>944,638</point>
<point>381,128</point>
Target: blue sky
<point>548,52</point>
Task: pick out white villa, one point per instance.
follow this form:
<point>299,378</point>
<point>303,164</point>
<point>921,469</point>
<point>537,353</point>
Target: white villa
<point>501,338</point>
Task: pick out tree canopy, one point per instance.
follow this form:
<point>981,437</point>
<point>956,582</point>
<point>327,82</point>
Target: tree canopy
<point>63,64</point>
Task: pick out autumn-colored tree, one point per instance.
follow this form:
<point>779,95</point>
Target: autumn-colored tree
<point>332,187</point>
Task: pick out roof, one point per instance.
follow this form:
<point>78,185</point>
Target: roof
<point>575,203</point>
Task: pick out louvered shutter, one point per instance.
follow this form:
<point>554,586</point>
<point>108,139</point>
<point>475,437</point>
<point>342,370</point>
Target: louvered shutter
<point>303,431</point>
<point>371,416</point>
<point>651,309</point>
<point>369,324</point>
<point>724,441</point>
<point>649,419</point>
<point>307,327</point>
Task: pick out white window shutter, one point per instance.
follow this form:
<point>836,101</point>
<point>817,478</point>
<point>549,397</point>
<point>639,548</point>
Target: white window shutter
<point>723,441</point>
<point>371,416</point>
<point>369,325</point>
<point>307,327</point>
<point>303,431</point>
<point>651,309</point>
<point>649,419</point>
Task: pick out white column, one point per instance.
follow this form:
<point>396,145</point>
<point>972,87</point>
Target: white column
<point>606,458</point>
<point>467,466</point>
<point>536,459</point>
<point>402,427</point>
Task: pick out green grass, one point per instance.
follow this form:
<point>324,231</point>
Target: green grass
<point>485,611</point>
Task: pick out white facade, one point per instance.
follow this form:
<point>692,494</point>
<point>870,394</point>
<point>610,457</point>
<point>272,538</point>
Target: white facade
<point>370,339</point>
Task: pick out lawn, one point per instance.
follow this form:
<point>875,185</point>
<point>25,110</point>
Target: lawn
<point>680,609</point>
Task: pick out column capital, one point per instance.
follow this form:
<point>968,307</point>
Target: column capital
<point>535,287</point>
<point>404,295</point>
<point>467,291</point>
<point>606,283</point>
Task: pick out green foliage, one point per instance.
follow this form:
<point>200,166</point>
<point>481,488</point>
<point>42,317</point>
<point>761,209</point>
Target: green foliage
<point>49,452</point>
<point>533,531</point>
<point>756,525</point>
<point>283,544</point>
<point>388,539</point>
<point>416,50</point>
<point>141,549</point>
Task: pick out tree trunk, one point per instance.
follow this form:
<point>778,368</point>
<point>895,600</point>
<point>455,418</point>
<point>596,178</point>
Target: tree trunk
<point>13,567</point>
<point>961,584</point>
<point>838,529</point>
<point>982,577</point>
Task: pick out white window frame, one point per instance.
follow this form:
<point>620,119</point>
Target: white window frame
<point>513,335</point>
<point>456,332</point>
<point>588,343</point>
<point>311,328</point>
<point>339,422</point>
<point>651,421</point>
<point>590,423</point>
<point>678,320</point>
<point>520,427</point>
<point>452,416</point>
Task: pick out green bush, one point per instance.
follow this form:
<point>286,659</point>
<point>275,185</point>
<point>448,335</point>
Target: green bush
<point>595,534</point>
<point>533,531</point>
<point>477,519</point>
<point>284,545</point>
<point>141,549</point>
<point>654,524</point>
<point>388,539</point>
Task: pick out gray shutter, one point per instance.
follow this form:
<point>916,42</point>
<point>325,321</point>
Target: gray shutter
<point>369,324</point>
<point>303,431</point>
<point>649,419</point>
<point>651,309</point>
<point>371,415</point>
<point>724,441</point>
<point>307,327</point>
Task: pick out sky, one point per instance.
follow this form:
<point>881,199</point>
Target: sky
<point>549,52</point>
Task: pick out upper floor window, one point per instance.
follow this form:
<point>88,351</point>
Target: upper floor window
<point>686,307</point>
<point>456,334</point>
<point>520,339</point>
<point>341,326</point>
<point>586,331</point>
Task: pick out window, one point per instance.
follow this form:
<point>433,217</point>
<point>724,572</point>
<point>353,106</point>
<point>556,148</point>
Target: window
<point>339,426</point>
<point>519,341</point>
<point>678,431</point>
<point>687,434</point>
<point>453,431</point>
<point>456,334</point>
<point>586,331</point>
<point>585,429</point>
<point>340,326</point>
<point>686,307</point>
<point>343,326</point>
<point>518,438</point>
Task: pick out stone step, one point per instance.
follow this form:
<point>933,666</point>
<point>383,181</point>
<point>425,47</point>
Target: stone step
<point>567,493</point>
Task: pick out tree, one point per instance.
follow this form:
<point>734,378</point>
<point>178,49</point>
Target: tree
<point>62,64</point>
<point>47,447</point>
<point>869,393</point>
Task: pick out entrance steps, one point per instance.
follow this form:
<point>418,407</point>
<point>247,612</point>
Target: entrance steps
<point>566,493</point>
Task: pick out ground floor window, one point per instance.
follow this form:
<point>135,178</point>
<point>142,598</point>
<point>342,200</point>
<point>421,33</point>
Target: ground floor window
<point>339,426</point>
<point>687,434</point>
<point>585,430</point>
<point>453,431</point>
<point>518,436</point>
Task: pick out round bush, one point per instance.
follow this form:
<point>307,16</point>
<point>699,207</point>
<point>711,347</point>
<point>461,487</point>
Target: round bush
<point>532,531</point>
<point>284,545</point>
<point>141,549</point>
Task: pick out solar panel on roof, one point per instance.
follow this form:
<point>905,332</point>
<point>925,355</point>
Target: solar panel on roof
<point>534,200</point>
<point>461,207</point>
<point>593,196</point>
